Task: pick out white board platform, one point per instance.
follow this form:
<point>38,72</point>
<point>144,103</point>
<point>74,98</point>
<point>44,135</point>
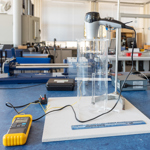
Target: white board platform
<point>57,125</point>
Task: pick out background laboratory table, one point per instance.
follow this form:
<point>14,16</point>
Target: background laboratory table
<point>140,99</point>
<point>145,58</point>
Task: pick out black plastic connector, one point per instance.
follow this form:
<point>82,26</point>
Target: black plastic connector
<point>43,100</point>
<point>125,85</point>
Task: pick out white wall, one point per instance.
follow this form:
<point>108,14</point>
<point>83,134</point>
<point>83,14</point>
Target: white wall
<point>63,21</point>
<point>6,26</point>
<point>146,25</point>
<point>6,29</point>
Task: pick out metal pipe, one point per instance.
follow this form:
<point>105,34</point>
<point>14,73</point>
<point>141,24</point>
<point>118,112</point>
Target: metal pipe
<point>57,64</point>
<point>122,3</point>
<point>117,47</point>
<point>17,12</point>
<point>107,1</point>
<point>126,3</point>
<point>29,7</point>
<point>26,7</point>
<point>135,15</point>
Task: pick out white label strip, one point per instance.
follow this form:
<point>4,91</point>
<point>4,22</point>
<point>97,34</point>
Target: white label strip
<point>91,79</point>
<point>137,83</point>
<point>61,81</point>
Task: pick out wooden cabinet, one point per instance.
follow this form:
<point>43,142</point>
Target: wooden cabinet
<point>129,34</point>
<point>139,40</point>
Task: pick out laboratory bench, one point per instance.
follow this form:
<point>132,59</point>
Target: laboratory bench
<point>140,99</point>
<point>63,53</point>
<point>145,59</point>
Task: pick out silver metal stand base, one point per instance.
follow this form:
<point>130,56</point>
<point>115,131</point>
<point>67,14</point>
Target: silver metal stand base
<point>114,96</point>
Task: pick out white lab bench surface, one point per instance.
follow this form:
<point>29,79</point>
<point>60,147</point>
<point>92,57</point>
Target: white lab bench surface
<point>145,58</point>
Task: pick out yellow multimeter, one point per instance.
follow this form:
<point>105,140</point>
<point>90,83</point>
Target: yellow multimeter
<point>19,130</point>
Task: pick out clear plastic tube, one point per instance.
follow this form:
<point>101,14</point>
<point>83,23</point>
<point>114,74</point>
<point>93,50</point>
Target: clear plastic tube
<point>92,75</point>
<point>93,88</point>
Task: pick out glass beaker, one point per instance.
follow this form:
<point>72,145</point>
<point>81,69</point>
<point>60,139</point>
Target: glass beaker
<point>92,77</point>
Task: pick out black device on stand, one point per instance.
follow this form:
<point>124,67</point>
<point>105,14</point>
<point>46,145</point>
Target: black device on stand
<point>54,50</point>
<point>131,43</point>
<point>1,55</point>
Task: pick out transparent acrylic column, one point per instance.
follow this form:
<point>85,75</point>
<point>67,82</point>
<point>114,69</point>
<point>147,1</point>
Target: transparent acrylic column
<point>92,77</point>
<point>93,88</point>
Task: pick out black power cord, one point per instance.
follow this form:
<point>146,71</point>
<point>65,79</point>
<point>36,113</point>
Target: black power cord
<point>42,100</point>
<point>128,22</point>
<point>21,87</point>
<point>11,106</point>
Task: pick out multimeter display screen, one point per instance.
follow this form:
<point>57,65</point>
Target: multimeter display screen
<point>21,120</point>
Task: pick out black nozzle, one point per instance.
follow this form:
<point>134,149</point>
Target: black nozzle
<point>92,17</point>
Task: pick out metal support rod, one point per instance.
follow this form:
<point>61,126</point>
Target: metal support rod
<point>109,37</point>
<point>54,50</point>
<point>29,7</point>
<point>127,15</point>
<point>17,12</point>
<point>26,7</point>
<point>117,47</point>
